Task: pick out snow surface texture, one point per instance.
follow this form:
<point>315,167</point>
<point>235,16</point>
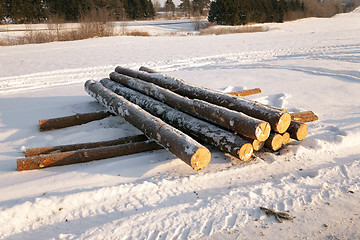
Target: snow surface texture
<point>310,64</point>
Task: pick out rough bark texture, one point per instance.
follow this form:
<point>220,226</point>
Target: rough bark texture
<point>274,142</point>
<point>78,119</point>
<point>201,130</point>
<point>298,130</point>
<point>148,70</point>
<point>224,117</point>
<point>256,144</point>
<point>181,145</point>
<point>278,119</point>
<point>244,93</point>
<point>66,148</point>
<point>84,155</point>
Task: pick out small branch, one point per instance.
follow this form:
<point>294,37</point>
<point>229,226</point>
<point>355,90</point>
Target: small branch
<point>278,215</point>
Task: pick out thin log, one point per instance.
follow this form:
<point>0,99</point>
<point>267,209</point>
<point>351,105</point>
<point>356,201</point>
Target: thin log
<point>256,144</point>
<point>181,145</point>
<point>84,155</point>
<point>199,129</point>
<point>246,92</point>
<point>72,147</point>
<point>286,138</point>
<point>241,93</point>
<point>148,70</point>
<point>278,119</point>
<point>304,117</point>
<point>298,130</point>
<point>302,114</point>
<point>274,142</point>
<point>68,121</point>
<point>224,117</point>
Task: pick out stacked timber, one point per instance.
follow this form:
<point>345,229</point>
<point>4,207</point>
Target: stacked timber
<point>176,116</point>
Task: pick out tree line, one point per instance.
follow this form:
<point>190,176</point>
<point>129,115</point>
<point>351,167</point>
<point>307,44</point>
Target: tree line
<point>237,12</point>
<point>25,11</point>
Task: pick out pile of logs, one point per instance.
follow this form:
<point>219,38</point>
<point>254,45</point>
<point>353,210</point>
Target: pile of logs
<point>174,115</point>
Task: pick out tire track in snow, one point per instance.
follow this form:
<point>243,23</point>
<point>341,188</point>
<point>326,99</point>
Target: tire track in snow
<point>116,211</point>
<point>244,59</point>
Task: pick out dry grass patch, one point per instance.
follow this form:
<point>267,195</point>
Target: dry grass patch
<point>138,33</point>
<point>219,30</point>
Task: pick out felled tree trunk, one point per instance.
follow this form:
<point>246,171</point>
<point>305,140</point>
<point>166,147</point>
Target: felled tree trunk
<point>66,148</point>
<point>84,155</point>
<point>68,121</point>
<point>224,117</point>
<point>246,92</point>
<point>278,119</point>
<point>181,145</point>
<point>274,142</point>
<point>201,130</point>
<point>298,130</point>
<point>305,116</point>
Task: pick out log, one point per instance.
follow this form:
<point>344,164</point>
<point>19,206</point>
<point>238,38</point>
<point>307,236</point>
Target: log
<point>224,117</point>
<point>304,117</point>
<point>274,142</point>
<point>278,119</point>
<point>148,70</point>
<point>256,144</point>
<point>73,120</point>
<point>179,144</point>
<point>203,131</point>
<point>244,93</point>
<point>72,147</point>
<point>84,155</point>
<point>241,93</point>
<point>286,138</point>
<point>298,130</point>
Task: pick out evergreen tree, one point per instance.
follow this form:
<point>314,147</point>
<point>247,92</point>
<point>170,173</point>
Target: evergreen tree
<point>185,7</point>
<point>3,9</point>
<point>169,6</point>
<point>200,5</point>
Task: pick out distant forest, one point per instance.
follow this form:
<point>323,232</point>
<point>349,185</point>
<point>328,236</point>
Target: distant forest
<point>229,12</point>
<point>25,11</point>
<point>236,12</point>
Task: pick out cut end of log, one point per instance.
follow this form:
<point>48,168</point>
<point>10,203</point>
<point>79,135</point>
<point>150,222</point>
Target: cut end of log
<point>262,132</point>
<point>301,132</point>
<point>200,159</point>
<point>283,123</point>
<point>286,138</point>
<point>245,152</point>
<point>274,142</point>
<point>257,145</point>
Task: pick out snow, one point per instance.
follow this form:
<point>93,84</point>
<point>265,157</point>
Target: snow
<point>309,64</point>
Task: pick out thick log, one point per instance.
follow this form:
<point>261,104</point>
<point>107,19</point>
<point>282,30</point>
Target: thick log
<point>274,142</point>
<point>278,119</point>
<point>73,120</point>
<point>84,155</point>
<point>224,117</point>
<point>181,145</point>
<point>244,93</point>
<point>199,129</point>
<point>298,130</point>
<point>302,114</point>
<point>72,147</point>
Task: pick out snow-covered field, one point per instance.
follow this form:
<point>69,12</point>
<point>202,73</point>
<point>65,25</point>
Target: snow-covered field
<point>310,64</point>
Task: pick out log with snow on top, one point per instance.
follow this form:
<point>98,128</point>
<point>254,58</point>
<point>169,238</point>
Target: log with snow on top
<point>279,119</point>
<point>305,116</point>
<point>226,141</point>
<point>184,147</point>
<point>224,117</point>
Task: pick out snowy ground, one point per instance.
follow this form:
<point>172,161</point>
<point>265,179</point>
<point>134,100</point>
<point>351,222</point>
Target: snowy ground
<point>310,64</point>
